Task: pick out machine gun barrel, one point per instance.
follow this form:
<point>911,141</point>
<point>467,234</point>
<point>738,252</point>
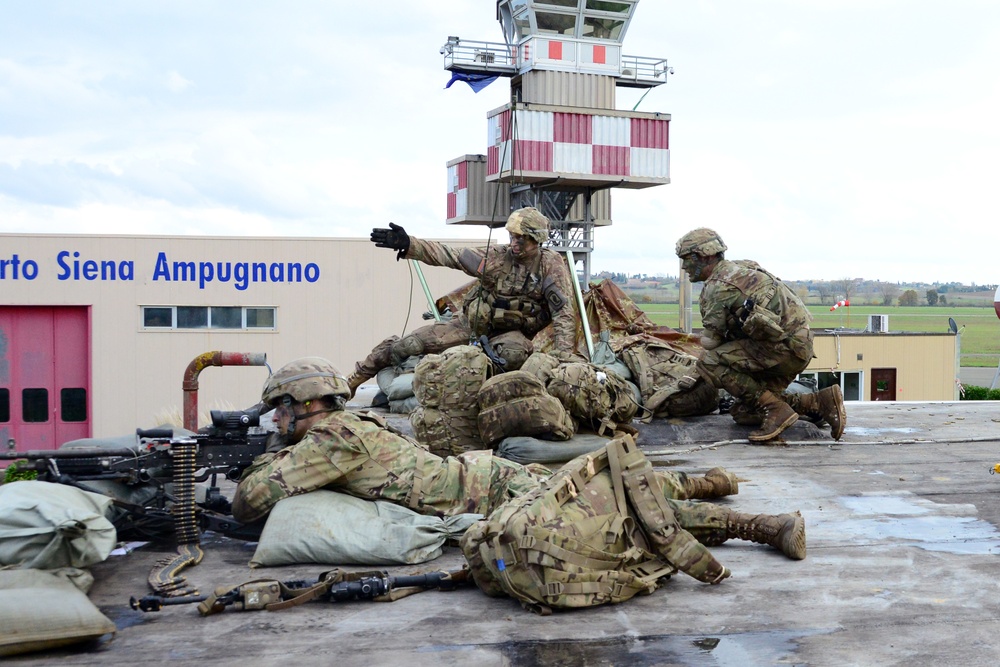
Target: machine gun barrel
<point>70,453</point>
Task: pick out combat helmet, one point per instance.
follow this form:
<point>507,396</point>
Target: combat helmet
<point>305,379</point>
<point>529,221</point>
<point>702,241</point>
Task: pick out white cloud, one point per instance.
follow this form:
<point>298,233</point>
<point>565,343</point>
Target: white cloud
<point>822,138</point>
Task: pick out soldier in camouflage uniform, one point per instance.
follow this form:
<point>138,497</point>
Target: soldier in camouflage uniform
<point>756,339</point>
<point>522,288</point>
<point>360,455</point>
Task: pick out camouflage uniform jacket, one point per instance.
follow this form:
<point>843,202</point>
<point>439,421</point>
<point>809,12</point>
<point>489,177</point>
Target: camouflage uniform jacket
<point>506,277</point>
<point>731,284</point>
<point>356,454</point>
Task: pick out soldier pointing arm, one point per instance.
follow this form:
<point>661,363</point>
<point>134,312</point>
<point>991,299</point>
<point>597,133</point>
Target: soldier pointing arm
<point>522,287</point>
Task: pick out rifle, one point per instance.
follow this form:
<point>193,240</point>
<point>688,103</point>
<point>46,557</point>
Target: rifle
<point>332,586</point>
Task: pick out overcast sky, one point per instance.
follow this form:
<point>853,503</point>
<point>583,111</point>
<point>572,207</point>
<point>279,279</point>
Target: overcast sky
<point>826,139</point>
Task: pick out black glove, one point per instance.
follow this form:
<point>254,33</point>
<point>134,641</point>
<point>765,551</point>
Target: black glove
<point>395,237</point>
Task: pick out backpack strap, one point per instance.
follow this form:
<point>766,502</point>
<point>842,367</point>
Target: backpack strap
<point>667,538</point>
<point>413,498</point>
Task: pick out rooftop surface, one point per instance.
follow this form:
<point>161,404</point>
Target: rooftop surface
<point>902,521</point>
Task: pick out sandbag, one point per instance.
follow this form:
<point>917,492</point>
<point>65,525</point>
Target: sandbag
<point>44,609</point>
<point>47,526</point>
<point>446,434</point>
<point>334,528</point>
<point>516,403</point>
<point>404,406</point>
<point>525,449</point>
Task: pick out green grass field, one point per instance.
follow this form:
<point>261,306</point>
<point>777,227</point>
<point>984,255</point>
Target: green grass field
<point>979,327</point>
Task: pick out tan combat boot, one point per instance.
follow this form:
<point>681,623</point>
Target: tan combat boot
<point>356,379</point>
<point>785,532</point>
<point>778,416</point>
<point>828,405</point>
<point>716,483</point>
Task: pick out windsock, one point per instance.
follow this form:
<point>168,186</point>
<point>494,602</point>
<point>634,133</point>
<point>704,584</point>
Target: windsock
<point>837,305</point>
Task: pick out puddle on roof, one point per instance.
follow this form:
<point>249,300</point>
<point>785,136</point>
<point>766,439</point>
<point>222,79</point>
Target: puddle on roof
<point>924,524</point>
<point>726,650</point>
<point>864,430</point>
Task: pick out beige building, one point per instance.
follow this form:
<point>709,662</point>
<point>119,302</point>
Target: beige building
<point>96,332</point>
<point>888,366</point>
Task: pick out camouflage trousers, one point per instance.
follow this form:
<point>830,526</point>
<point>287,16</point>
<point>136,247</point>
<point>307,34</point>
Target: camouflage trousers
<point>705,521</point>
<point>431,339</point>
<point>746,368</point>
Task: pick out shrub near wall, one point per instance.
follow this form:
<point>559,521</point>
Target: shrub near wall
<point>973,393</point>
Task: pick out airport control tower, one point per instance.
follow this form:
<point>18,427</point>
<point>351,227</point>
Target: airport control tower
<point>559,145</point>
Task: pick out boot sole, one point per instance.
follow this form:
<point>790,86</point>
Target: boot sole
<point>776,432</point>
<point>794,544</point>
<point>838,431</point>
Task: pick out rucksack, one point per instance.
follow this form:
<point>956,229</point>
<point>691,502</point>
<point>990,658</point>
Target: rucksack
<point>593,394</point>
<point>516,403</point>
<point>451,380</point>
<point>598,531</point>
<point>447,386</point>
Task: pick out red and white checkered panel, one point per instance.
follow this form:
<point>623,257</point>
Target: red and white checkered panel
<point>458,190</point>
<point>577,143</point>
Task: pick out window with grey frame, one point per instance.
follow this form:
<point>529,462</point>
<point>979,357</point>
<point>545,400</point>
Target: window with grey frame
<point>232,318</point>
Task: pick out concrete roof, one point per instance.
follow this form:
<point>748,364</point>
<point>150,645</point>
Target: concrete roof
<point>901,520</point>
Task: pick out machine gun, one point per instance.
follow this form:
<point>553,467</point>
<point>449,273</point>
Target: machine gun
<point>163,467</point>
<point>332,586</point>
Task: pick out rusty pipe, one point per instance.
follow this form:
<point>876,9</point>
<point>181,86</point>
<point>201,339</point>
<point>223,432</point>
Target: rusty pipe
<point>203,361</point>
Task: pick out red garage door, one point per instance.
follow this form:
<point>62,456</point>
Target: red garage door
<point>44,375</point>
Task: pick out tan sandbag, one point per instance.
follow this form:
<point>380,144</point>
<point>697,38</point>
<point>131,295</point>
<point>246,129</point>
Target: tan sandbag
<point>42,610</point>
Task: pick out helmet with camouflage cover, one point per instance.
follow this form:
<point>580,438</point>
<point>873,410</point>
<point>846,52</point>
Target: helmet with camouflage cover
<point>304,380</point>
<point>702,241</point>
<point>529,221</point>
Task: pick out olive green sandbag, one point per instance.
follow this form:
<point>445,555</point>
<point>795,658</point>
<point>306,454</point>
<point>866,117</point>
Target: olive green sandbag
<point>47,526</point>
<point>328,527</point>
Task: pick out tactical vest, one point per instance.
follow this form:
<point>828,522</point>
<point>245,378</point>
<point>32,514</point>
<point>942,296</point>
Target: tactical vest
<point>490,313</point>
<point>516,403</point>
<point>598,531</point>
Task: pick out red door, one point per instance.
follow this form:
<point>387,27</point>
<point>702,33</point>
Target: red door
<point>44,375</point>
<point>883,384</point>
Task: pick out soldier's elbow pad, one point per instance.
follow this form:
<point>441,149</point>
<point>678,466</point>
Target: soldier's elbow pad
<point>553,296</point>
<point>471,262</point>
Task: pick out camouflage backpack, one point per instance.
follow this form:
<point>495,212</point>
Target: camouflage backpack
<point>447,386</point>
<point>516,403</point>
<point>668,380</point>
<point>598,531</point>
<point>593,394</point>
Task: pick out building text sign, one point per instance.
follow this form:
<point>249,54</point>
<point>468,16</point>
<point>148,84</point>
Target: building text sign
<point>72,266</point>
